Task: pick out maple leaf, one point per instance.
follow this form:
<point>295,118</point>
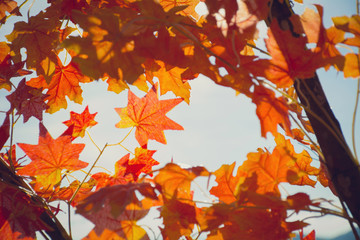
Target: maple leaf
<point>28,101</point>
<point>128,170</point>
<point>271,111</point>
<point>178,217</point>
<point>351,25</point>
<point>286,64</point>
<point>143,157</point>
<point>116,197</point>
<point>64,82</point>
<point>107,49</point>
<point>147,114</point>
<point>7,69</point>
<point>301,162</point>
<point>50,157</point>
<point>39,36</point>
<point>123,226</point>
<point>228,185</point>
<point>170,80</point>
<point>271,169</point>
<point>115,85</point>
<point>81,122</point>
<point>176,182</point>
<point>188,4</point>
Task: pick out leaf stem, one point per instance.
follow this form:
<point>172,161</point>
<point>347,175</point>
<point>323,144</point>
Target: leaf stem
<point>78,188</point>
<point>119,143</point>
<point>69,219</point>
<point>92,140</point>
<point>11,142</point>
<point>354,118</point>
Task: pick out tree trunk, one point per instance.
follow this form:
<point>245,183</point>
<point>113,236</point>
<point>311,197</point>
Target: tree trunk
<point>343,169</point>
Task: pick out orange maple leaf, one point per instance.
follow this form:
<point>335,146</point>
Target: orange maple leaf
<point>170,80</point>
<point>271,111</point>
<point>81,122</point>
<point>50,157</point>
<point>176,182</point>
<point>271,169</point>
<point>300,162</point>
<point>188,4</point>
<point>350,25</point>
<point>147,114</point>
<point>228,185</point>
<point>290,58</point>
<point>64,82</point>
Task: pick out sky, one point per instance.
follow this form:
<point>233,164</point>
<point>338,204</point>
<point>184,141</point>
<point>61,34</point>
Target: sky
<point>220,127</point>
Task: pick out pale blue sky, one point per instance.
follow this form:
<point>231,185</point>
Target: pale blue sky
<point>220,128</point>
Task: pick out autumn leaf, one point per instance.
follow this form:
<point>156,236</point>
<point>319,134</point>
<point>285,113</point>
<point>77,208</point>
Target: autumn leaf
<point>170,80</point>
<point>178,217</point>
<point>115,85</point>
<point>350,25</point>
<point>143,157</point>
<point>228,185</point>
<point>81,122</point>
<point>286,64</point>
<point>50,157</point>
<point>27,101</point>
<point>271,111</point>
<point>301,162</point>
<point>176,182</point>
<point>119,177</point>
<point>117,197</point>
<point>123,226</point>
<point>271,169</point>
<point>107,49</point>
<point>39,36</point>
<point>147,114</point>
<point>64,82</point>
<point>7,68</point>
<point>127,170</point>
<point>188,4</point>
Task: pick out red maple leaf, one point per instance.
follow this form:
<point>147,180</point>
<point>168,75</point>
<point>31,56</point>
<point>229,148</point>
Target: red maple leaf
<point>81,122</point>
<point>147,114</point>
<point>27,101</point>
<point>50,157</point>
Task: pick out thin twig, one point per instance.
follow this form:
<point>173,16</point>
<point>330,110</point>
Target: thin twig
<point>78,188</point>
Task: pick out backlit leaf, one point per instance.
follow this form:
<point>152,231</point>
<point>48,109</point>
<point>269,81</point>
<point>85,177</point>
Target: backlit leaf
<point>64,82</point>
<point>81,122</point>
<point>50,157</point>
<point>147,114</point>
